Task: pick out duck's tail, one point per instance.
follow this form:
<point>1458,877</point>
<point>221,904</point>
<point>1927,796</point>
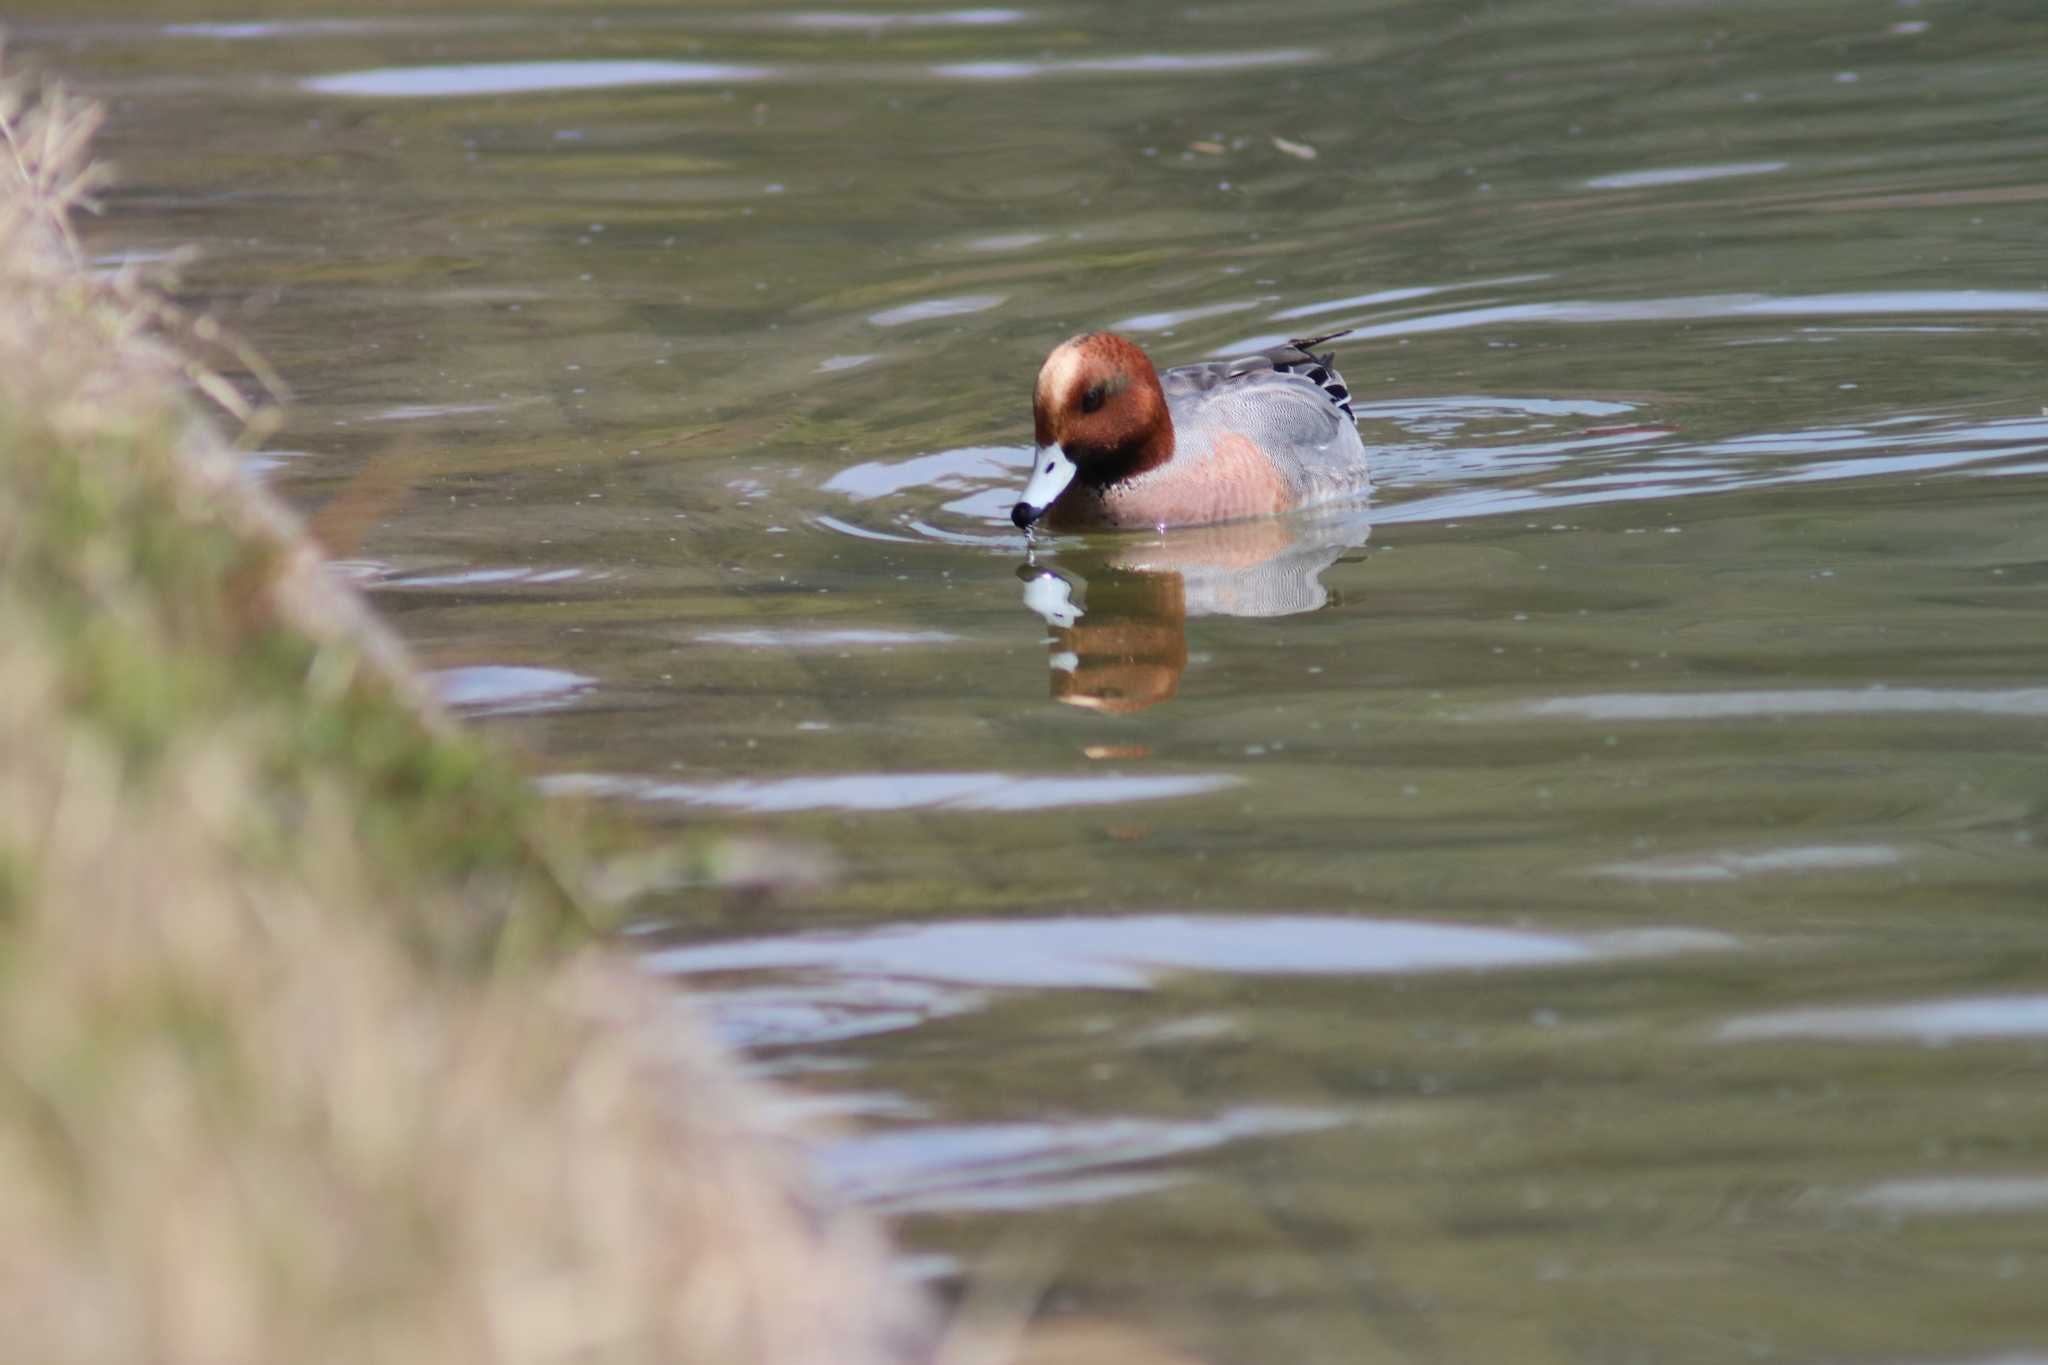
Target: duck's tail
<point>1303,343</point>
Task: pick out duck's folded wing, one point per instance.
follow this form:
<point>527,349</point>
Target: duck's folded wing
<point>1295,357</point>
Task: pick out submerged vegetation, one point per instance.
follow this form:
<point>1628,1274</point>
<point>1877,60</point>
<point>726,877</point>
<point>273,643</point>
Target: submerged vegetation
<point>307,1050</point>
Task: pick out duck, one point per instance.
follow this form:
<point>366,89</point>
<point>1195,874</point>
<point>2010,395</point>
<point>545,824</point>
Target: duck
<point>1121,446</point>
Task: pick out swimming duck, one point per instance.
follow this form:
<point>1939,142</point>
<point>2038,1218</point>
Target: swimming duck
<point>1120,445</point>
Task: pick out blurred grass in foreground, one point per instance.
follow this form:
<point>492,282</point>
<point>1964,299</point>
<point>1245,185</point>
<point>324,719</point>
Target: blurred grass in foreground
<point>304,1053</point>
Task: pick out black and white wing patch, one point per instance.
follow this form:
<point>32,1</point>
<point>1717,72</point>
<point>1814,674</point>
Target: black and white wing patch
<point>1296,358</point>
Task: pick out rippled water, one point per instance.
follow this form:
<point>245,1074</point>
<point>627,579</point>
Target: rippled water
<point>1583,904</point>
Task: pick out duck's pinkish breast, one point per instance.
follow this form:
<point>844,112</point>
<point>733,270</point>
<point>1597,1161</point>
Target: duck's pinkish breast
<point>1234,478</point>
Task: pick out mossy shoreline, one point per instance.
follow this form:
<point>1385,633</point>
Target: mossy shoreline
<point>311,1049</point>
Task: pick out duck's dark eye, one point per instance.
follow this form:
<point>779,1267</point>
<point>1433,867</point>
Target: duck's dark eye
<point>1092,399</point>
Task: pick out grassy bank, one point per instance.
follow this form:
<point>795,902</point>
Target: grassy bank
<point>307,1049</point>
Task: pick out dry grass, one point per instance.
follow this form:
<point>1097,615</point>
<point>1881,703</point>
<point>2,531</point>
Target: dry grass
<point>304,1055</point>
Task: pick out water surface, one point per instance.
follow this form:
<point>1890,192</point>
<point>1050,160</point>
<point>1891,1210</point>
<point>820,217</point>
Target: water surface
<point>1582,904</point>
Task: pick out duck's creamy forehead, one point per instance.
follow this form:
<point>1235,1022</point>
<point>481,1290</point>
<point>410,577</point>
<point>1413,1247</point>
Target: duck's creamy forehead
<point>1061,373</point>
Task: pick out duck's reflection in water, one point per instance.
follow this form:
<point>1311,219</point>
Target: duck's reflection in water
<point>1118,605</point>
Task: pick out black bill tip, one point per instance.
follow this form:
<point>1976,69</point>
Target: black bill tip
<point>1024,515</point>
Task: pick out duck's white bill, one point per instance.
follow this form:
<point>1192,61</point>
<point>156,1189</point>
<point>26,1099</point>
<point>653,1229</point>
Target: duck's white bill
<point>1051,472</point>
